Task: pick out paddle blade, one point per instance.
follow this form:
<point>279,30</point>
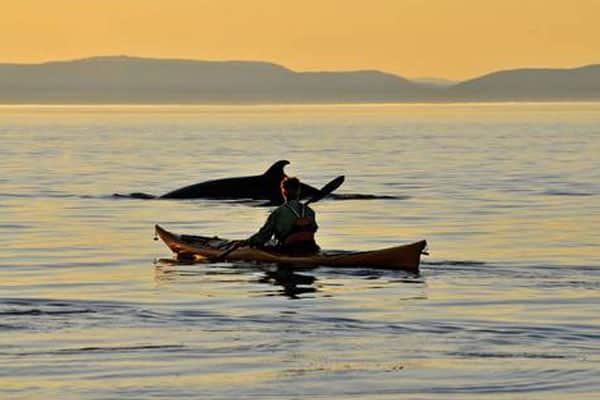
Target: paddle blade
<point>327,189</point>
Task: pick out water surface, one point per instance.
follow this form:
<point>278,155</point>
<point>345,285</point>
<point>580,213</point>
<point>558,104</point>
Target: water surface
<point>507,195</point>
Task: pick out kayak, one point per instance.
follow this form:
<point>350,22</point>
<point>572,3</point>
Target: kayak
<point>405,257</point>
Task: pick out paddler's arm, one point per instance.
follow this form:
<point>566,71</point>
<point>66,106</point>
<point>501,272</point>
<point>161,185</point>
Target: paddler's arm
<point>264,234</point>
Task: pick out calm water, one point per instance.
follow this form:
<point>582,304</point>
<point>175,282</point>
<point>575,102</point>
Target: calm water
<point>506,306</point>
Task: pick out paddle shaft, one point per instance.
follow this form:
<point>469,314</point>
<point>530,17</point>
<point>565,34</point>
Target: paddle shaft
<point>325,191</point>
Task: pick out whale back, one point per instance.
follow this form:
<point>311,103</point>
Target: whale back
<point>259,187</point>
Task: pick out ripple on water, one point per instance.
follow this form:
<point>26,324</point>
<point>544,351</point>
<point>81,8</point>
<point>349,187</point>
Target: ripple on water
<point>505,307</point>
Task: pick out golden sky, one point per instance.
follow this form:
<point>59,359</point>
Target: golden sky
<point>453,39</point>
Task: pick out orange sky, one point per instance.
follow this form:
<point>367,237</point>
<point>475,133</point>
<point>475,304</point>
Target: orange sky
<point>453,39</point>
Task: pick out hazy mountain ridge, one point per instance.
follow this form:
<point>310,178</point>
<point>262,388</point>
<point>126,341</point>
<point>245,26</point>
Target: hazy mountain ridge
<point>122,79</point>
<point>435,82</point>
<point>580,83</point>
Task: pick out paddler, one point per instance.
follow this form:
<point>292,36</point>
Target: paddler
<point>293,224</point>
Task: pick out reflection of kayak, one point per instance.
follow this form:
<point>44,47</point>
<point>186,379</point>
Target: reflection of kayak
<point>406,257</point>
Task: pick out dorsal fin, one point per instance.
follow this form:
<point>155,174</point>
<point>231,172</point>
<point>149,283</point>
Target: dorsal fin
<point>276,170</point>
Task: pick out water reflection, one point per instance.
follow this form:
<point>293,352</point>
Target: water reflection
<point>293,283</point>
<point>290,281</point>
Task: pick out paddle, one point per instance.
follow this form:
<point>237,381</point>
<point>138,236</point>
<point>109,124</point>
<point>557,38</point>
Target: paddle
<point>325,190</point>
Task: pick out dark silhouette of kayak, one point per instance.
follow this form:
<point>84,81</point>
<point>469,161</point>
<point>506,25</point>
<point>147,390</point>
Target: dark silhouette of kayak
<point>189,247</point>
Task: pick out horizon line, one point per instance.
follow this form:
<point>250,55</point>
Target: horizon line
<point>185,59</point>
<point>291,105</point>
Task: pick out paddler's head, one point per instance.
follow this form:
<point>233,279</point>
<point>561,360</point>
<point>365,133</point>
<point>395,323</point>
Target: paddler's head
<point>290,188</point>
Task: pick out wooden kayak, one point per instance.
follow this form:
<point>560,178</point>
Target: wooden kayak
<point>406,257</point>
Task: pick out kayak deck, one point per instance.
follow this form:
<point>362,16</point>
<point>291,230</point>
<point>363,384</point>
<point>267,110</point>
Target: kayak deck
<point>406,257</point>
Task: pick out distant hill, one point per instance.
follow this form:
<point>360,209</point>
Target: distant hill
<point>532,84</point>
<point>133,80</point>
<point>141,80</point>
<point>435,82</point>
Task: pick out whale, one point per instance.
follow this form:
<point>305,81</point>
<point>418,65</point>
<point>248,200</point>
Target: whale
<point>265,186</point>
<point>258,187</point>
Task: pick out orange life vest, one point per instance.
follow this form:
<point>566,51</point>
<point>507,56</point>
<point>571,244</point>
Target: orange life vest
<point>303,232</point>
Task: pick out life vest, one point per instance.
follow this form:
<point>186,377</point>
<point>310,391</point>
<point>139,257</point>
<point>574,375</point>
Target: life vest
<point>303,232</point>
